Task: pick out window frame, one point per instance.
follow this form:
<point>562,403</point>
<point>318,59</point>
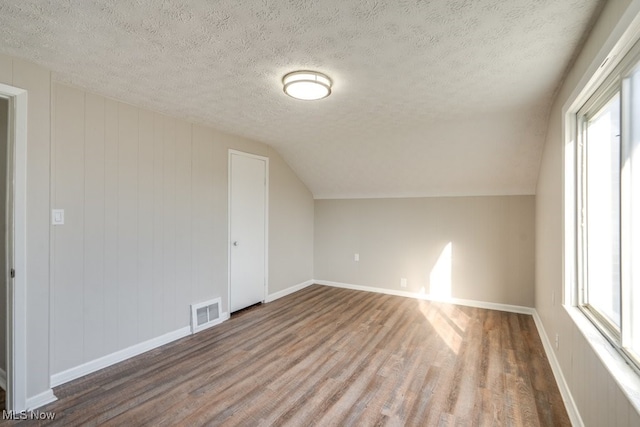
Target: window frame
<point>601,97</point>
<point>617,80</point>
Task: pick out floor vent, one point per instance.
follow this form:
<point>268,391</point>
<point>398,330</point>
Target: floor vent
<point>205,314</point>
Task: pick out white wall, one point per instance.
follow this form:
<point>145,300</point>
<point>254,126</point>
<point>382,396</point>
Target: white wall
<point>145,234</point>
<point>37,82</point>
<point>492,245</point>
<point>599,399</point>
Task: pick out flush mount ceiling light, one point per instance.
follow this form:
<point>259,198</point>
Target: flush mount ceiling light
<point>307,85</point>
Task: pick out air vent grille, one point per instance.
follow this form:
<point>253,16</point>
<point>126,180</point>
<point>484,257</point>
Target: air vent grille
<point>205,314</point>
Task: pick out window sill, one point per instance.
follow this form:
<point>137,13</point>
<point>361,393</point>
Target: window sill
<point>623,374</point>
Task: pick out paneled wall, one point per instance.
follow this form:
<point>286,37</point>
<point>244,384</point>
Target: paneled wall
<point>145,233</point>
<point>476,248</point>
<point>596,393</point>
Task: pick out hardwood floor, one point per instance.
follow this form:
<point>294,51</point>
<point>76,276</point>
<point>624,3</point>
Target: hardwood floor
<point>329,356</point>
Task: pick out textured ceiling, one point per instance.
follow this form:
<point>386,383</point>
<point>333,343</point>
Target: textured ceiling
<point>430,97</point>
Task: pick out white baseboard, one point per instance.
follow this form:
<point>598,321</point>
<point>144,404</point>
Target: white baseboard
<point>41,399</point>
<point>118,356</point>
<point>111,359</point>
<point>569,403</point>
<point>223,317</point>
<point>567,398</point>
<point>457,301</point>
<point>3,379</point>
<point>295,288</point>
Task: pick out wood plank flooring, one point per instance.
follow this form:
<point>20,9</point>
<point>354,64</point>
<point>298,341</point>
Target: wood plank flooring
<point>331,357</point>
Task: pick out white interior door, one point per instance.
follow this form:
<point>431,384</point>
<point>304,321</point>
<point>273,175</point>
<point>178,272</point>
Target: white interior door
<point>247,229</point>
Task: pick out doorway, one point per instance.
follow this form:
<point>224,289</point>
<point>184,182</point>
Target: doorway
<point>4,247</point>
<point>13,173</point>
<point>248,231</point>
<point>4,253</point>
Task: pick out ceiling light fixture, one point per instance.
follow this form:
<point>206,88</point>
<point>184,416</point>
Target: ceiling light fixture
<point>307,85</point>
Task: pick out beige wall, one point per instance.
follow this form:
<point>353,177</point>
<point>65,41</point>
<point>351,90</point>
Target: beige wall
<point>492,245</point>
<point>145,234</point>
<point>291,225</point>
<point>37,82</point>
<point>597,395</point>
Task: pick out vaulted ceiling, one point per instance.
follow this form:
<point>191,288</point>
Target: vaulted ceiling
<point>440,97</point>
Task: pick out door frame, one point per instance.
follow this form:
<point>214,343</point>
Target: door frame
<point>266,222</point>
<point>16,398</point>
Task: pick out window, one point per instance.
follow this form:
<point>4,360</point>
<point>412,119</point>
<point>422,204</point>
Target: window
<point>607,207</point>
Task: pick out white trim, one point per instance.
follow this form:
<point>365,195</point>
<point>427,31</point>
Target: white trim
<point>283,293</point>
<point>41,399</point>
<point>223,317</point>
<point>620,40</point>
<point>17,294</point>
<point>458,301</point>
<point>567,398</point>
<point>3,379</point>
<point>266,222</point>
<point>194,315</point>
<point>118,356</point>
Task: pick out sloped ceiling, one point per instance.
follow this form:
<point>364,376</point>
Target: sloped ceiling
<point>430,97</point>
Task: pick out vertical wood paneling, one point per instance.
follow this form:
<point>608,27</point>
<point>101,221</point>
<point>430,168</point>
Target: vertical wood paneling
<point>221,229</point>
<point>577,371</point>
<point>127,225</point>
<point>94,225</point>
<point>111,300</point>
<point>69,238</point>
<point>169,227</point>
<point>203,210</point>
<point>634,417</point>
<point>145,224</point>
<point>605,395</point>
<point>153,198</point>
<point>183,221</point>
<point>621,410</point>
<point>158,226</point>
<point>597,393</point>
<point>37,82</point>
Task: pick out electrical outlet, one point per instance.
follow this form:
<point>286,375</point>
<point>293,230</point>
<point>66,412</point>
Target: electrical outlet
<point>356,257</point>
<point>403,283</point>
<point>557,341</point>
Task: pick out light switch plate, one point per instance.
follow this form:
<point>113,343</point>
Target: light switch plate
<point>57,216</point>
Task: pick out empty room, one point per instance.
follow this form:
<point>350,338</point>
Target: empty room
<point>333,213</point>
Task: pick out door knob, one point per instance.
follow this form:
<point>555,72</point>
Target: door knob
<point>235,243</point>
